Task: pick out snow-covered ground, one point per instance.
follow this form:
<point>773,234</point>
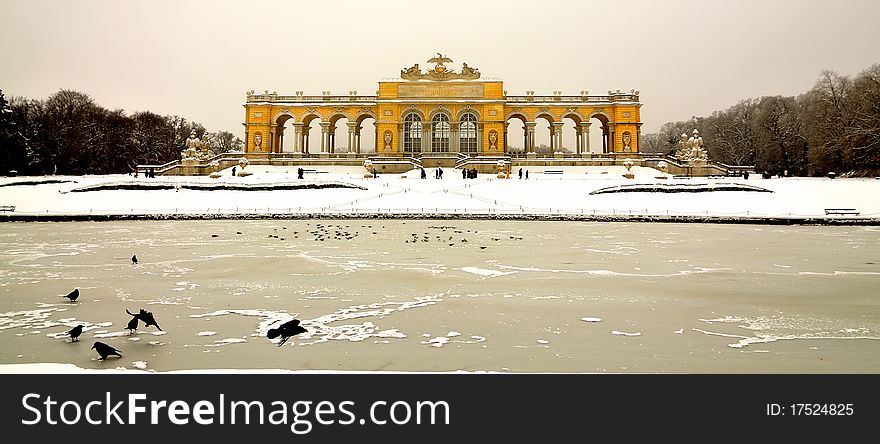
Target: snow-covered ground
<point>546,192</point>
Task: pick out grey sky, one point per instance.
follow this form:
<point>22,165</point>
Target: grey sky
<point>197,58</point>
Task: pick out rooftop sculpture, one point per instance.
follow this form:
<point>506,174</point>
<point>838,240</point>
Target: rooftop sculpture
<point>440,71</point>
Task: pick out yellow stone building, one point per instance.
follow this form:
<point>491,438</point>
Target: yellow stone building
<point>439,113</point>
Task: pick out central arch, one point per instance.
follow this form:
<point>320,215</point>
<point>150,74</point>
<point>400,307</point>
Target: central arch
<point>440,133</point>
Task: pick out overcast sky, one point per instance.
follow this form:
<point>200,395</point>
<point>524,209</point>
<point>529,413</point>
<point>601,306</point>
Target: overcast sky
<point>196,59</point>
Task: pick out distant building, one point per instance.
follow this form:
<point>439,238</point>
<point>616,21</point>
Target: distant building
<point>437,112</point>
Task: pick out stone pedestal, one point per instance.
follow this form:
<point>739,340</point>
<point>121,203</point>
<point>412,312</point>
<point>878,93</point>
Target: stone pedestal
<point>531,155</point>
<point>629,176</point>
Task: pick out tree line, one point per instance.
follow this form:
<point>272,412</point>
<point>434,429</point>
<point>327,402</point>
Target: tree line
<point>833,127</point>
<point>70,134</point>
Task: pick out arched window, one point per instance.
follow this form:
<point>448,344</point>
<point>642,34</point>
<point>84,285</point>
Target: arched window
<point>412,133</point>
<point>440,133</point>
<point>468,134</point>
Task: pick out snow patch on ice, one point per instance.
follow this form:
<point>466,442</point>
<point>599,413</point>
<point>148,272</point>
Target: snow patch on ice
<point>484,272</point>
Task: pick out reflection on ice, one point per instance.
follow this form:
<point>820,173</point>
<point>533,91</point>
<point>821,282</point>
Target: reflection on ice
<point>770,329</point>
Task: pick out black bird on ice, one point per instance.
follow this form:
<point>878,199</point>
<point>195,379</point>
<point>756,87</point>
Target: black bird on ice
<point>133,323</point>
<point>72,295</point>
<point>145,316</point>
<point>105,350</point>
<point>134,260</point>
<point>75,332</point>
<point>286,331</point>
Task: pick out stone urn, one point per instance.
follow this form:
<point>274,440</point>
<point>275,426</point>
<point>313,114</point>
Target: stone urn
<point>664,168</point>
<point>502,169</point>
<point>628,163</point>
<point>242,163</point>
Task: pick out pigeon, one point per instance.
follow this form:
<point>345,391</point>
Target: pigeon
<point>73,295</point>
<point>286,331</point>
<point>146,316</point>
<point>134,259</point>
<point>75,332</point>
<point>105,350</point>
<point>132,324</point>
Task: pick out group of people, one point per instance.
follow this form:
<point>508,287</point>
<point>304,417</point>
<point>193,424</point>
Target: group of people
<point>438,173</point>
<point>149,174</point>
<point>521,173</point>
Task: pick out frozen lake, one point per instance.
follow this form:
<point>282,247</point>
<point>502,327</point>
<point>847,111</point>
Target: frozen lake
<point>421,295</point>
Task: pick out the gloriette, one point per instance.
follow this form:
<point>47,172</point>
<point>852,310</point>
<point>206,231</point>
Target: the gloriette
<point>440,112</point>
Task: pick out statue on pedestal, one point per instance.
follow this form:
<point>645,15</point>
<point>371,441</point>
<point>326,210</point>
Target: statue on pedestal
<point>691,149</point>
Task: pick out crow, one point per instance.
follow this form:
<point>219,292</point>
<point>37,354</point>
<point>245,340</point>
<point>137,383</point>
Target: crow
<point>132,324</point>
<point>134,260</point>
<point>286,331</point>
<point>105,350</point>
<point>72,295</point>
<point>75,332</point>
<point>146,316</point>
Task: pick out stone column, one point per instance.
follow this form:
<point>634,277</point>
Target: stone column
<point>272,141</point>
<point>298,138</point>
<point>530,137</point>
<point>638,144</point>
<point>454,142</point>
<point>504,140</point>
<point>325,137</point>
<point>584,131</point>
<point>605,139</point>
<point>426,137</point>
<point>352,136</point>
<point>557,135</point>
<point>611,132</point>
